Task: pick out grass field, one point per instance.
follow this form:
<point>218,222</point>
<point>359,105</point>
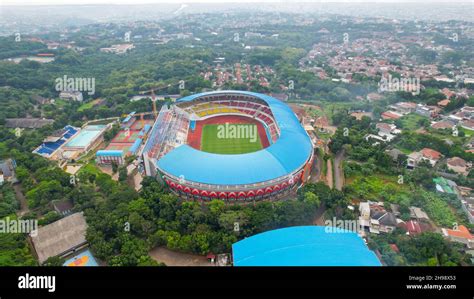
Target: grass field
<point>211,143</point>
<point>411,121</point>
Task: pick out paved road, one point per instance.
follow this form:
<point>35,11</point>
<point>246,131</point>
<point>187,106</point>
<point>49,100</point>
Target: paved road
<point>338,171</point>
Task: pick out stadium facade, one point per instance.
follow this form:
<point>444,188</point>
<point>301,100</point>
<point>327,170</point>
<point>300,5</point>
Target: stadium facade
<point>271,172</point>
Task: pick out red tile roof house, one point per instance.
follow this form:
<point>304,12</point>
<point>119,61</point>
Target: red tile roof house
<point>461,235</point>
<point>444,124</point>
<point>443,103</point>
<point>391,115</point>
<point>431,155</point>
<point>468,124</point>
<point>458,165</point>
<point>448,93</point>
<point>374,97</point>
<point>413,228</point>
<point>385,128</point>
<point>425,154</point>
<point>403,107</point>
<point>394,247</point>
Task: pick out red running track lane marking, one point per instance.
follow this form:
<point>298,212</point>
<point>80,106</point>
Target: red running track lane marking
<point>194,137</point>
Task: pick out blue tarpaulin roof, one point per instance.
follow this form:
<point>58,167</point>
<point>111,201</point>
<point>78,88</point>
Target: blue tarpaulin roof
<point>146,128</point>
<point>128,117</point>
<point>290,152</point>
<point>304,246</point>
<point>133,149</point>
<point>114,153</point>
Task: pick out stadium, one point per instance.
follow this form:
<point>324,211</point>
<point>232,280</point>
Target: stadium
<point>231,145</point>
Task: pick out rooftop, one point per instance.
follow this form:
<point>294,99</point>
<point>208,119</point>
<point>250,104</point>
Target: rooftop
<point>456,161</point>
<point>60,236</point>
<point>431,154</point>
<point>27,123</point>
<point>304,246</point>
<point>461,232</point>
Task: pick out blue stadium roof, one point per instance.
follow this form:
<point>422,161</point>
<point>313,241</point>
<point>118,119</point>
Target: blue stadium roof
<point>304,246</point>
<point>287,154</point>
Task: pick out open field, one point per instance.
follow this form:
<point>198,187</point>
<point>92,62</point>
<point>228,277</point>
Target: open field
<point>174,258</point>
<point>411,121</point>
<point>212,142</point>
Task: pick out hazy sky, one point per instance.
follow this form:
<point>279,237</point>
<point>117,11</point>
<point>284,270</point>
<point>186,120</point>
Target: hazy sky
<point>83,2</point>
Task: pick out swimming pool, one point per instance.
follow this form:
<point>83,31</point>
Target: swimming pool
<point>86,136</point>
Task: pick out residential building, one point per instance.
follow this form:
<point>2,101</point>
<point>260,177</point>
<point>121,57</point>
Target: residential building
<point>71,95</point>
<point>413,159</point>
<point>428,111</point>
<point>458,165</point>
<point>375,218</point>
<point>386,128</point>
<point>431,155</point>
<point>442,125</point>
<point>461,235</point>
<point>63,207</point>
<point>380,137</point>
<point>443,103</point>
<point>413,227</point>
<point>7,171</point>
<point>374,96</point>
<point>468,124</point>
<point>118,49</point>
<point>426,154</point>
<point>418,214</point>
<point>403,107</point>
<point>391,115</point>
<point>394,153</point>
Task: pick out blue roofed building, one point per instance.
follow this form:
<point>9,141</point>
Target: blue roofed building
<point>110,156</point>
<point>304,246</point>
<point>269,172</point>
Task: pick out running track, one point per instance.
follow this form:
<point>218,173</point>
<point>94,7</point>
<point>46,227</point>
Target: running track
<point>194,137</point>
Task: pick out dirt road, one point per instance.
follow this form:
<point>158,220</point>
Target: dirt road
<point>338,170</point>
<point>329,176</point>
<point>174,258</point>
<point>22,199</point>
<point>316,170</point>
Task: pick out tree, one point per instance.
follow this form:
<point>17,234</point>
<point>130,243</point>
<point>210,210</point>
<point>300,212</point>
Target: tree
<point>122,174</point>
<point>114,167</point>
<point>44,192</point>
<point>233,220</point>
<point>429,249</point>
<point>312,199</point>
<point>54,261</point>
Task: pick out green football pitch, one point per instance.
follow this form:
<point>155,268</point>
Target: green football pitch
<point>212,140</point>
